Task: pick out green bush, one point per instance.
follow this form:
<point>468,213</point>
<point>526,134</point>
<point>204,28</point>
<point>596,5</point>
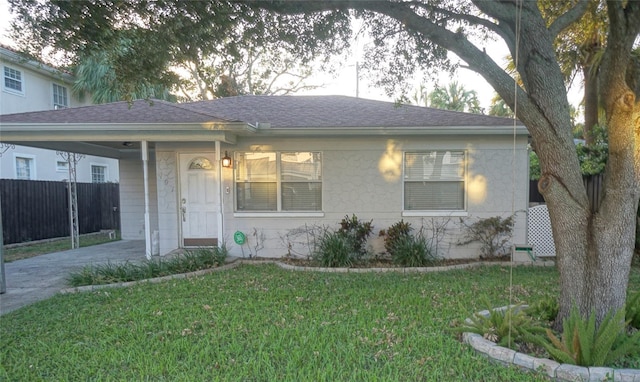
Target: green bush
<point>396,232</point>
<point>492,233</point>
<point>358,232</point>
<point>410,251</point>
<point>585,344</point>
<point>335,249</point>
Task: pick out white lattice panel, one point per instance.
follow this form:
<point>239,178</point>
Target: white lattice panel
<point>539,231</point>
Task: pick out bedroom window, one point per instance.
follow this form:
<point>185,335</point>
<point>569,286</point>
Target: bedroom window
<point>13,80</point>
<point>434,181</point>
<point>98,173</point>
<point>25,168</point>
<point>278,181</point>
<point>60,98</point>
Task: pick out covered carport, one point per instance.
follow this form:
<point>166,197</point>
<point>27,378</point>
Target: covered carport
<point>129,132</point>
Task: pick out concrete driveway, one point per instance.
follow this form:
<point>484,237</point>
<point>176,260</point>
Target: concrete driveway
<point>41,277</point>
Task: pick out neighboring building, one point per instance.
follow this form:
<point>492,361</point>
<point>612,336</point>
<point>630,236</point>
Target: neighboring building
<point>293,162</point>
<point>32,86</point>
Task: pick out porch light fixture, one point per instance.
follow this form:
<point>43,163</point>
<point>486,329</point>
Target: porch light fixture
<point>226,160</point>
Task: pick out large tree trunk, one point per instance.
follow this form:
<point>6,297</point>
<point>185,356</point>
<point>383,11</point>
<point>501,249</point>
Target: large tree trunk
<point>595,245</point>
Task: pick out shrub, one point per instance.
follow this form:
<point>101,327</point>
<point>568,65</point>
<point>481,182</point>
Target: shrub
<point>585,344</point>
<point>545,309</point>
<point>357,231</point>
<point>506,327</point>
<point>410,251</point>
<point>396,232</point>
<point>334,249</point>
<point>632,314</point>
<point>493,233</point>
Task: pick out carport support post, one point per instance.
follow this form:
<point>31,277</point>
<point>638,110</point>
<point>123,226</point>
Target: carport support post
<point>147,228</point>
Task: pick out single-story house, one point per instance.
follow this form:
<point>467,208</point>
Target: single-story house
<point>275,168</point>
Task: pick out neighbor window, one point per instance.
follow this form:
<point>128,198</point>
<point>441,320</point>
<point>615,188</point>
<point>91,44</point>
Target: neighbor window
<point>62,166</point>
<point>278,181</point>
<point>98,174</point>
<point>25,168</point>
<point>13,80</point>
<point>434,180</point>
<point>60,99</point>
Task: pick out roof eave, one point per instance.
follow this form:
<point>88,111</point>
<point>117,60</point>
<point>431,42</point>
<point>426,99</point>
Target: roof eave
<point>426,130</point>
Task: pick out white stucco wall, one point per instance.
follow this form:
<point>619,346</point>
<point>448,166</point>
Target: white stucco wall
<point>361,176</point>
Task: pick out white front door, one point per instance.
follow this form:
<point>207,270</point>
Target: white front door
<point>199,200</point>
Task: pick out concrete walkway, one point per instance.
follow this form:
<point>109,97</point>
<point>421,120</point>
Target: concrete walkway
<point>41,277</point>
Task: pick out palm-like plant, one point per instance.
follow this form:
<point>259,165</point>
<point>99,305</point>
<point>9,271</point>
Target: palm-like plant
<point>455,97</point>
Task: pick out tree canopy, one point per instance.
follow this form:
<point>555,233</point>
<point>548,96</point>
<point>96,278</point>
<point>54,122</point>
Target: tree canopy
<point>219,47</point>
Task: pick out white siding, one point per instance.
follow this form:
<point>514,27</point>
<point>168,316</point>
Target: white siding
<point>46,165</point>
<point>37,95</point>
<point>132,198</point>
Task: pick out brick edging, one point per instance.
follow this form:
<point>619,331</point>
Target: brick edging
<point>238,262</point>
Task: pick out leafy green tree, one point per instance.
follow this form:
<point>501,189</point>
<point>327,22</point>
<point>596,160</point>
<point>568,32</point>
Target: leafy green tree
<point>454,97</point>
<point>144,48</point>
<point>499,108</point>
<point>594,249</point>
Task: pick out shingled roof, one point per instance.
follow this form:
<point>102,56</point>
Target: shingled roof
<point>336,111</point>
<point>276,111</point>
<point>141,111</point>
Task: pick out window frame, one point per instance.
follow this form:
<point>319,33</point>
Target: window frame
<point>31,160</point>
<point>105,172</point>
<point>279,181</point>
<point>462,179</point>
<point>20,80</point>
<point>64,167</point>
<point>57,105</point>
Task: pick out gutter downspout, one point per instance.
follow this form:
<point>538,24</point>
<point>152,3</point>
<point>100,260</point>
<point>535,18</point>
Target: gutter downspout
<point>147,228</point>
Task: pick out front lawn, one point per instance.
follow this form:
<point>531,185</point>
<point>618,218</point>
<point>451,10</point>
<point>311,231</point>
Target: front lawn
<point>262,323</point>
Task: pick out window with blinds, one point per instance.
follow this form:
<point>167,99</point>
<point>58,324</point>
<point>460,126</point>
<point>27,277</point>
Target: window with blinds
<point>434,181</point>
<point>278,181</point>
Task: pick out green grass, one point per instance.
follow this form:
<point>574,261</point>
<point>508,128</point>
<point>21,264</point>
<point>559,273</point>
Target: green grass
<point>262,323</point>
<point>56,245</point>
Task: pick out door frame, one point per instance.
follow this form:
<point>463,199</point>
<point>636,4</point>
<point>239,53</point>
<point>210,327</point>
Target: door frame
<point>217,185</point>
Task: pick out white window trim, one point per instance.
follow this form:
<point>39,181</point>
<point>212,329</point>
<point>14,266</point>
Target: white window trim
<point>32,171</point>
<point>22,81</point>
<point>278,212</point>
<point>435,213</point>
<point>57,106</point>
<point>106,171</point>
<point>62,169</point>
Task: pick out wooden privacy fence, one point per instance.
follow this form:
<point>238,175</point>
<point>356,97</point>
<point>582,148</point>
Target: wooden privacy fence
<point>34,210</point>
<point>593,184</point>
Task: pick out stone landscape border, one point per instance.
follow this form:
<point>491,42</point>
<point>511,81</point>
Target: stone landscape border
<point>495,353</point>
<point>552,369</point>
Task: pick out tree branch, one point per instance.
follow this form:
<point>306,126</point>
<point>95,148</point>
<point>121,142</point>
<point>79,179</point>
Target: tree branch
<point>568,18</point>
